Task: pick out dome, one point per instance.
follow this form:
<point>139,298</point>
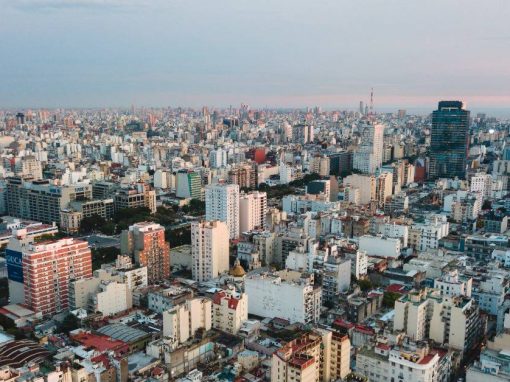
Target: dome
<point>237,270</point>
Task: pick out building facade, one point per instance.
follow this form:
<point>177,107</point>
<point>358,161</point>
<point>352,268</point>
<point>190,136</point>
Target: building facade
<point>449,142</point>
<point>145,241</point>
<point>222,203</point>
<point>209,249</point>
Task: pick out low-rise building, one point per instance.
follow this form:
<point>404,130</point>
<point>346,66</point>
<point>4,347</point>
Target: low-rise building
<point>285,294</point>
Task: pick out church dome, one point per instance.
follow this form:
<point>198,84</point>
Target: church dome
<point>237,270</point>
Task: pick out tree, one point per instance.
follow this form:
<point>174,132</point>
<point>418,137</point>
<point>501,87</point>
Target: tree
<point>263,187</point>
<point>195,207</point>
<point>92,223</point>
<point>365,284</point>
<point>164,216</point>
<point>70,323</point>
<point>108,228</point>
<point>128,216</point>
<point>389,299</point>
<point>45,237</point>
<point>102,256</point>
<point>179,236</point>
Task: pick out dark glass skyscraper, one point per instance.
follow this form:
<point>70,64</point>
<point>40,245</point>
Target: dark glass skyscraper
<point>449,141</point>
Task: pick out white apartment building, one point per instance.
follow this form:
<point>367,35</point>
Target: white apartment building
<point>482,183</point>
<point>490,293</point>
<point>299,204</point>
<point>318,356</point>
<point>384,187</point>
<point>426,235</point>
<point>162,179</point>
<point>218,158</point>
<point>368,157</point>
<point>285,294</point>
<point>286,173</point>
<point>336,277</point>
<point>359,263</point>
<point>229,310</point>
<point>463,206</point>
<point>395,231</point>
<point>252,211</point>
<point>222,203</point>
<point>452,321</point>
<point>181,322</point>
<point>112,297</point>
<point>365,184</point>
<point>384,363</point>
<point>452,284</point>
<point>380,246</point>
<point>209,249</point>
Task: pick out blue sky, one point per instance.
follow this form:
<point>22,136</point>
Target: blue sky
<point>265,53</point>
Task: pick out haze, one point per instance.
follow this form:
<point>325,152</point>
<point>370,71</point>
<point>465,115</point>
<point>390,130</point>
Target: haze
<point>281,53</point>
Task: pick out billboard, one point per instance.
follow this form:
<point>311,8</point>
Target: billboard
<point>14,265</point>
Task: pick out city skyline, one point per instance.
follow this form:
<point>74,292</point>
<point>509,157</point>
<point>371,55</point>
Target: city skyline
<point>112,53</point>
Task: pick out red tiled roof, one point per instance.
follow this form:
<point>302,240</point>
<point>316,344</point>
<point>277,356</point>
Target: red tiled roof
<point>343,324</point>
<point>98,342</point>
<point>102,358</point>
<point>395,288</point>
<point>384,346</point>
<point>232,302</point>
<point>364,329</point>
<point>426,359</point>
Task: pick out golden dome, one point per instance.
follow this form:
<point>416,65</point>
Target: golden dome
<point>237,270</point>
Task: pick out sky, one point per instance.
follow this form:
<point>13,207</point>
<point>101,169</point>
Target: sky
<point>274,53</point>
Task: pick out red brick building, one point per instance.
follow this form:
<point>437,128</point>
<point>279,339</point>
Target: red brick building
<point>48,267</point>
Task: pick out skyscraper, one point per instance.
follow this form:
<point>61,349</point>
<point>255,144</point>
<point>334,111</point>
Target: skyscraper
<point>368,158</point>
<point>222,203</point>
<point>449,141</point>
<point>146,242</point>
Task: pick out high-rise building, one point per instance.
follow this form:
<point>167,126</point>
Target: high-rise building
<point>340,163</point>
<point>368,157</point>
<point>302,134</point>
<point>47,269</point>
<point>146,242</point>
<point>222,203</point>
<point>252,211</point>
<point>218,158</point>
<point>384,187</point>
<point>188,185</point>
<point>245,176</point>
<point>29,166</point>
<point>449,142</point>
<point>366,184</point>
<point>209,249</point>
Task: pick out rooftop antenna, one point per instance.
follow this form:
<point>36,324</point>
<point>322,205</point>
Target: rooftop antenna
<point>372,102</point>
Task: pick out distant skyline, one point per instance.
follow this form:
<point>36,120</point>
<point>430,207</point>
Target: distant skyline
<point>280,53</point>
